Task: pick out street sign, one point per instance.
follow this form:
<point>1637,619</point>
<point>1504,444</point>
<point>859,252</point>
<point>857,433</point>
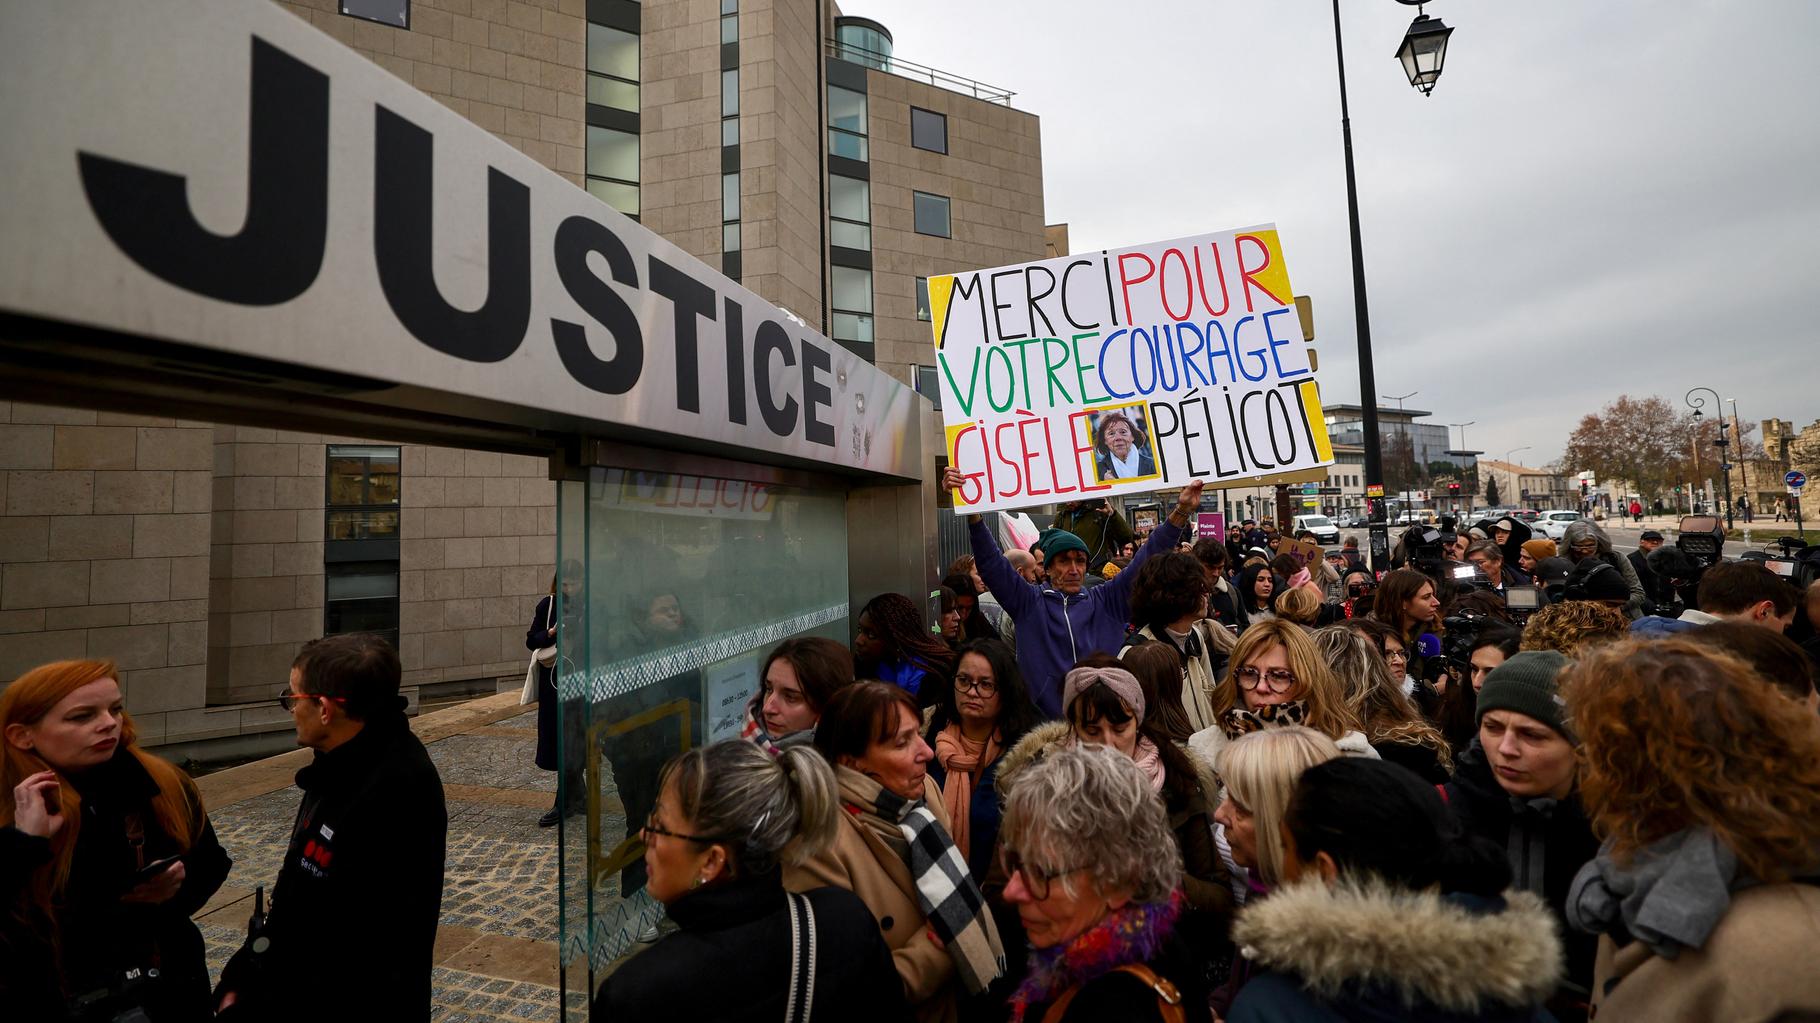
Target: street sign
<point>1374,490</point>
<point>1796,479</point>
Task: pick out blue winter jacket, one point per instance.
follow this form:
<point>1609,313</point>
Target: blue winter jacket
<point>1055,630</point>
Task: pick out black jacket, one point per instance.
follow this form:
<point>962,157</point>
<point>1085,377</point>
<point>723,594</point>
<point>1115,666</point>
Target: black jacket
<point>1547,845</point>
<point>101,937</point>
<point>360,885</point>
<point>732,961</point>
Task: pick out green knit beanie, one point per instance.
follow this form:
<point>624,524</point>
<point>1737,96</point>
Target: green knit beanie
<point>1526,684</point>
<point>1055,541</point>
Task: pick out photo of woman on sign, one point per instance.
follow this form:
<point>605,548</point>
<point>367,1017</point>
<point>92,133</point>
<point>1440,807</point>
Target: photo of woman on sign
<point>1122,445</point>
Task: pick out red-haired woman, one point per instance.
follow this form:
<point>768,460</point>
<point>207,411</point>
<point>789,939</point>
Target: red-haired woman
<point>1705,782</point>
<point>105,851</point>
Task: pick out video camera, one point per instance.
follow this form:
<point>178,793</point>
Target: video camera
<point>1702,539</point>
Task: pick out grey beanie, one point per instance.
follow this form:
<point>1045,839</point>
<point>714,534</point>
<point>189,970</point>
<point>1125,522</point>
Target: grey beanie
<point>1526,684</point>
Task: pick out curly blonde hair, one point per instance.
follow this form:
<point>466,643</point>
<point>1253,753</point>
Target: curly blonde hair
<point>1315,683</point>
<point>1574,626</point>
<point>1675,736</point>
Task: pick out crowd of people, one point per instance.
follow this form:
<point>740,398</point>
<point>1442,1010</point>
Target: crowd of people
<point>1118,778</point>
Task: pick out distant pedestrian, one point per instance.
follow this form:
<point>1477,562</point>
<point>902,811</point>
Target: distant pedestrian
<point>546,629</point>
<point>105,852</point>
<point>1781,512</point>
<point>359,890</point>
<point>1636,509</point>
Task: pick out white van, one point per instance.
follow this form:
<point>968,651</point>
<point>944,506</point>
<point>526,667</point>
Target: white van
<point>1320,525</point>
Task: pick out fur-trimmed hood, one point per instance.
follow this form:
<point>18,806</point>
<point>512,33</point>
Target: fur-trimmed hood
<point>1035,744</point>
<point>1454,953</point>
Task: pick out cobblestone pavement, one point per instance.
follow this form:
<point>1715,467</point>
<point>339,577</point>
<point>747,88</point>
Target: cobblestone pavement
<point>497,945</point>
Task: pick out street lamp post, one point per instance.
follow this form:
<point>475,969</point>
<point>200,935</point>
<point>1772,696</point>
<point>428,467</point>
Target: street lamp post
<point>1403,430</point>
<point>1743,459</point>
<point>1463,452</point>
<point>1516,482</point>
<point>1725,466</point>
<point>1422,55</point>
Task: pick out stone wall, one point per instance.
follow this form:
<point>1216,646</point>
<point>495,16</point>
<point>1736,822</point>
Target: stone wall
<point>478,548</point>
<point>104,550</point>
<point>993,177</point>
<point>266,576</point>
<point>515,67</point>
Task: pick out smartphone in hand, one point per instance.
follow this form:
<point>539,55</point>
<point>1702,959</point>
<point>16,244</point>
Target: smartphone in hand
<point>150,870</point>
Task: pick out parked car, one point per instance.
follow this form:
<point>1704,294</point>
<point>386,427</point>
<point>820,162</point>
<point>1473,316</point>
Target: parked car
<point>1553,524</point>
<point>1354,520</point>
<point>1320,525</point>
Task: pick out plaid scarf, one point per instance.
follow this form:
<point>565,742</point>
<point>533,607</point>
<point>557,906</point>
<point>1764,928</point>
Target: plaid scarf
<point>755,732</point>
<point>1134,933</point>
<point>945,891</point>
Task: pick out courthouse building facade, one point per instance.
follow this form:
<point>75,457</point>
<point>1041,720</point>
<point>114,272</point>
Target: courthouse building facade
<point>779,141</point>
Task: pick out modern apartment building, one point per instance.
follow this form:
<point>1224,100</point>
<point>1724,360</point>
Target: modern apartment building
<point>779,141</point>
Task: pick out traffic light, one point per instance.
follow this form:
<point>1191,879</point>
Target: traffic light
<point>1453,488</point>
<point>1582,488</point>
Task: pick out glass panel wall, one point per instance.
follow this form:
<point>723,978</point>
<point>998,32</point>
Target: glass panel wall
<point>673,588</point>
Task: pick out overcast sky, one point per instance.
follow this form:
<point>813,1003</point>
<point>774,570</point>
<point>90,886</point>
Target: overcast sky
<point>1598,198</point>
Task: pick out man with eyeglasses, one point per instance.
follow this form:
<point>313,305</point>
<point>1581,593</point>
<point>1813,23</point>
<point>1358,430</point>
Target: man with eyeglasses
<point>359,891</point>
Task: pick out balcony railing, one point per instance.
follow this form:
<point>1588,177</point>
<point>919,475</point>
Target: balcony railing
<point>918,73</point>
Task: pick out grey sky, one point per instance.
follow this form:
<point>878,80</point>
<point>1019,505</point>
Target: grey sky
<point>1599,198</point>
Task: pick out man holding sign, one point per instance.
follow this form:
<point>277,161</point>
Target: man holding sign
<point>1058,624</point>
<point>1125,371</point>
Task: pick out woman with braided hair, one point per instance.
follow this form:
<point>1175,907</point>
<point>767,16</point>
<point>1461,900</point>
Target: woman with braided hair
<point>893,644</point>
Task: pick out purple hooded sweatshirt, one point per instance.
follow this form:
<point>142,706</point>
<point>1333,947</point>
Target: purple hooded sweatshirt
<point>1054,629</point>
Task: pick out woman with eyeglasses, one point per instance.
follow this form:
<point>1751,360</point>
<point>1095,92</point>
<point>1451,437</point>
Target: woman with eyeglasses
<point>728,816</point>
<point>892,848</point>
<point>1097,884</point>
<point>983,712</point>
<point>1105,705</point>
<point>105,852</point>
<point>1279,679</point>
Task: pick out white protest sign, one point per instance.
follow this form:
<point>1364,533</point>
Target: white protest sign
<point>1126,370</point>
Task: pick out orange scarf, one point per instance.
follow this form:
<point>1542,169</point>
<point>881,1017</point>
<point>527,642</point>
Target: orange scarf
<point>963,759</point>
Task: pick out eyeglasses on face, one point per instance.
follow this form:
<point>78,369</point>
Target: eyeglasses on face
<point>288,699</point>
<point>1396,655</point>
<point>1276,680</point>
<point>969,684</point>
<point>1036,880</point>
<point>653,828</point>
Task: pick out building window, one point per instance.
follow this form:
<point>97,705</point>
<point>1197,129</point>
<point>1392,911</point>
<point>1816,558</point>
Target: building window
<point>612,68</point>
<point>922,298</point>
<point>362,492</point>
<point>729,28</point>
<point>928,130</point>
<point>846,123</point>
<point>932,215</point>
<point>849,212</point>
<point>928,384</point>
<point>613,168</point>
<point>361,596</point>
<point>729,212</point>
<point>852,305</point>
<point>729,93</point>
<point>396,13</point>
